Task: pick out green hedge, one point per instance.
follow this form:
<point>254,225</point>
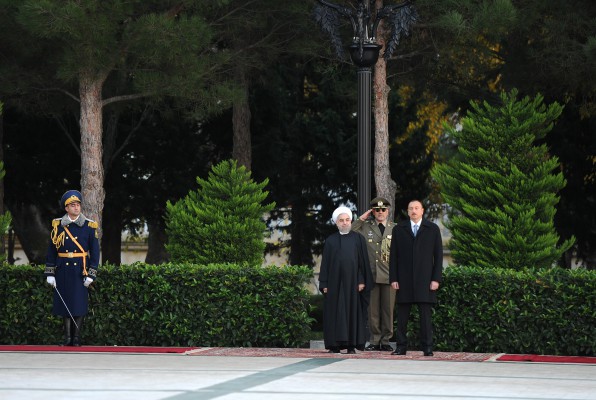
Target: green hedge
<point>166,305</point>
<point>546,311</point>
<point>550,311</point>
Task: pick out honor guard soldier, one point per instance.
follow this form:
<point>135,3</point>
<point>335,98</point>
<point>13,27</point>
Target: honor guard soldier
<point>378,234</point>
<point>71,265</point>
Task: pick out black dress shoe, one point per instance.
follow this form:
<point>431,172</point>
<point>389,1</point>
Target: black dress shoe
<point>333,350</point>
<point>399,351</point>
<point>372,347</point>
<point>385,347</point>
<point>351,351</point>
<point>428,353</point>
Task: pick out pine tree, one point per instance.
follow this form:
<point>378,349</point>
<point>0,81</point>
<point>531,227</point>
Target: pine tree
<point>222,221</point>
<point>502,186</point>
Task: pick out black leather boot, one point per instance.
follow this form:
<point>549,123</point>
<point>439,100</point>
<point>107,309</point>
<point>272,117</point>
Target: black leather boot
<point>76,340</point>
<point>67,332</point>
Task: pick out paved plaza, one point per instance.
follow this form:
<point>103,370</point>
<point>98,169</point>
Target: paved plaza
<point>188,376</point>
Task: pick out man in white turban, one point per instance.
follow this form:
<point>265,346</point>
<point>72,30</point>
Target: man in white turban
<point>341,210</point>
<point>345,281</point>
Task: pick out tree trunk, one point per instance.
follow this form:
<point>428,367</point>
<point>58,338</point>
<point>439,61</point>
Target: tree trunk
<point>242,148</point>
<point>92,173</point>
<point>111,243</point>
<point>2,246</point>
<point>384,184</point>
<point>10,248</point>
<point>32,230</point>
<point>300,247</point>
<point>156,249</point>
<point>109,140</point>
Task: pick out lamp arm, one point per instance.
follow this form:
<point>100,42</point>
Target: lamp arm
<point>385,12</point>
<point>343,11</point>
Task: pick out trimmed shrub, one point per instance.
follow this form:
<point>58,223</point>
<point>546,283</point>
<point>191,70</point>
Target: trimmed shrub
<point>222,221</point>
<point>539,311</point>
<point>166,305</point>
<point>535,311</point>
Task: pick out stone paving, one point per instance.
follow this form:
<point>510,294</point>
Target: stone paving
<point>215,373</point>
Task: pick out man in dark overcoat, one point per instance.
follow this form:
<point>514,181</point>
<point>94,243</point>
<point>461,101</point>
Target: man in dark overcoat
<point>345,280</point>
<point>415,271</point>
<point>71,265</point>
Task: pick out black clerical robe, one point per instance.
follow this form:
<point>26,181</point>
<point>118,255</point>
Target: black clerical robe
<point>345,310</point>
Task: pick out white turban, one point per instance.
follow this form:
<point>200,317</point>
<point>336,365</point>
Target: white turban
<point>341,210</point>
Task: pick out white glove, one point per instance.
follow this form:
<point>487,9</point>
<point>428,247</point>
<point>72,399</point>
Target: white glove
<point>87,281</point>
<point>51,281</point>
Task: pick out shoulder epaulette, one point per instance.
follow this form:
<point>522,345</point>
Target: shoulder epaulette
<point>92,224</point>
<point>55,222</point>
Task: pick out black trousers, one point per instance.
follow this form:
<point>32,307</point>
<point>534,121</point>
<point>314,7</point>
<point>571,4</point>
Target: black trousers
<point>426,329</point>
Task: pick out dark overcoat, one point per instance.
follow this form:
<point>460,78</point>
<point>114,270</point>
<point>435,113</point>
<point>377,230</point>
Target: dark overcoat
<point>70,271</point>
<point>344,265</point>
<point>415,261</point>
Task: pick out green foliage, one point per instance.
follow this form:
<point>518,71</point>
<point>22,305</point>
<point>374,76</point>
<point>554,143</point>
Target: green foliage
<point>412,155</point>
<point>6,218</point>
<point>471,17</point>
<point>541,311</point>
<point>305,142</point>
<point>533,311</point>
<point>133,49</point>
<point>166,305</point>
<point>222,221</point>
<point>501,186</point>
<point>316,312</point>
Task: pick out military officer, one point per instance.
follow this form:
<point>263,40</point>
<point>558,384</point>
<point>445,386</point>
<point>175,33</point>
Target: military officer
<point>71,265</point>
<point>378,233</point>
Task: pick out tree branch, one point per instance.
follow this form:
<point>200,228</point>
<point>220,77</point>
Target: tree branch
<point>56,89</point>
<point>144,116</point>
<point>66,132</point>
<point>126,97</point>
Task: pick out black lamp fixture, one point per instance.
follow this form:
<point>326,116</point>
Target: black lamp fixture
<point>364,53</point>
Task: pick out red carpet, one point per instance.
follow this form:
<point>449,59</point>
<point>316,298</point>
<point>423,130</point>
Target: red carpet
<point>252,352</point>
<point>98,349</point>
<point>301,353</point>
<point>322,353</point>
<point>555,359</point>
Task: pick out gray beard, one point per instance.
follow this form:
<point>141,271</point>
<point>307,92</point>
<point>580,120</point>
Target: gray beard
<point>345,231</point>
<point>80,221</point>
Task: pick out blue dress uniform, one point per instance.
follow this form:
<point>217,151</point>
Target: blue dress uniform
<point>73,256</point>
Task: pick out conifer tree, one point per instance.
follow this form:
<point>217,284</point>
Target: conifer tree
<point>222,221</point>
<point>502,185</point>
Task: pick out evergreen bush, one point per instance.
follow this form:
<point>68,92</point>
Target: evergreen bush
<point>222,221</point>
<point>502,186</point>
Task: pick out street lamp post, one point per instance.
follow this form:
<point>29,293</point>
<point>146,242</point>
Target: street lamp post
<point>364,53</point>
<point>364,60</point>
